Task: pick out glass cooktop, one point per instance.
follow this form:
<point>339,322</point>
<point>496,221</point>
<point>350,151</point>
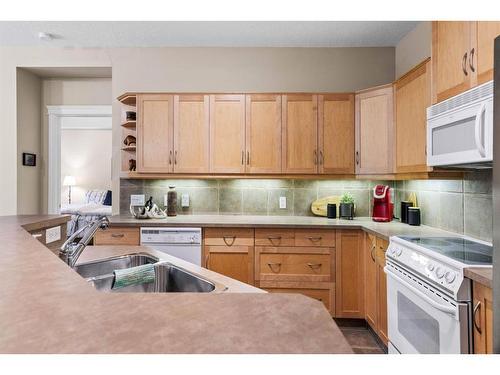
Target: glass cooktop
<point>459,249</point>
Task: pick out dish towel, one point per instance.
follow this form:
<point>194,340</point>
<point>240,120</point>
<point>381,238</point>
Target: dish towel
<point>134,275</point>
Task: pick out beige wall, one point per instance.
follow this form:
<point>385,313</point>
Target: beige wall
<point>28,140</point>
<point>414,48</point>
<point>193,69</point>
<point>86,155</point>
<point>69,91</point>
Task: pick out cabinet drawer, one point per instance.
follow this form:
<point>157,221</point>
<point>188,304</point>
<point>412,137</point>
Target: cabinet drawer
<point>117,236</point>
<point>323,292</point>
<point>293,266</point>
<point>312,237</point>
<point>274,237</point>
<point>228,236</point>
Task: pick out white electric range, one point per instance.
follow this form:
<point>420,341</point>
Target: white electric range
<point>429,302</point>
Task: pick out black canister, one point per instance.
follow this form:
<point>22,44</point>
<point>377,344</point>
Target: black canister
<point>404,210</point>
<point>331,210</point>
<point>414,216</point>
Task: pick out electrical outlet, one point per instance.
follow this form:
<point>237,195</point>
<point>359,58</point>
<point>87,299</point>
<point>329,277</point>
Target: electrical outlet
<point>185,200</point>
<point>53,234</point>
<point>137,200</point>
<point>282,202</point>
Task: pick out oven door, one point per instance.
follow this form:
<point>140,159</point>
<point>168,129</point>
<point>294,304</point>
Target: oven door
<point>423,320</point>
<point>464,136</point>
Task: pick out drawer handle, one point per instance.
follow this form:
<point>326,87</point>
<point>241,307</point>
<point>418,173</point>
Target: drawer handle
<point>476,309</point>
<point>274,238</point>
<point>314,265</point>
<point>315,239</point>
<point>273,266</point>
<point>371,253</point>
<point>230,238</point>
<point>37,235</point>
<point>117,235</point>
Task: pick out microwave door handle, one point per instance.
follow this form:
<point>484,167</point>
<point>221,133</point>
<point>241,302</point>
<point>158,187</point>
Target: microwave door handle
<point>443,308</point>
<point>478,128</point>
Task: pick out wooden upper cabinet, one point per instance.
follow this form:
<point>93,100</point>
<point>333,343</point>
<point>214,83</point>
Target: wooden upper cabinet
<point>486,32</point>
<point>451,42</point>
<point>374,131</point>
<point>336,133</point>
<point>227,133</point>
<point>462,56</point>
<point>155,133</point>
<point>263,133</point>
<point>412,97</point>
<point>191,134</point>
<point>300,134</point>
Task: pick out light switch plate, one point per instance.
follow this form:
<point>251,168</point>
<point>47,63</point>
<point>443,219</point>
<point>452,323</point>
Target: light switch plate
<point>53,234</point>
<point>185,200</point>
<point>282,202</point>
<point>137,199</point>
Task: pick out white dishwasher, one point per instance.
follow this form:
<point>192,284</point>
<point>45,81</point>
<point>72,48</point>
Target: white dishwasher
<point>183,243</point>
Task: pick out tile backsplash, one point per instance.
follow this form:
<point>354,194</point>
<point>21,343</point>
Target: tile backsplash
<point>249,197</point>
<point>461,206</point>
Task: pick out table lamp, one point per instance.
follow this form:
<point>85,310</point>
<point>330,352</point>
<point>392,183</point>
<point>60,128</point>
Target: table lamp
<point>69,181</point>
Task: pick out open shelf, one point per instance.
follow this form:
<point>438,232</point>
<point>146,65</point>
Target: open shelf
<point>128,99</point>
<point>129,124</point>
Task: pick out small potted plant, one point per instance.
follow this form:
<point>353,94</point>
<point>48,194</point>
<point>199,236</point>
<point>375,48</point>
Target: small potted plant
<point>346,206</point>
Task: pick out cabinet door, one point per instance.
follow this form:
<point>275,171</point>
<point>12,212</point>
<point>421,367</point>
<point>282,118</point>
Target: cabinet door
<point>191,134</point>
<point>349,276</point>
<point>482,319</point>
<point>227,133</point>
<point>486,32</point>
<point>382,290</point>
<point>154,133</point>
<point>234,261</point>
<point>371,274</point>
<point>451,42</point>
<point>336,133</point>
<point>300,134</point>
<point>412,97</point>
<point>374,131</point>
<point>263,133</point>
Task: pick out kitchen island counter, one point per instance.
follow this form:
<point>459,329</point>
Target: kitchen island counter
<point>46,307</point>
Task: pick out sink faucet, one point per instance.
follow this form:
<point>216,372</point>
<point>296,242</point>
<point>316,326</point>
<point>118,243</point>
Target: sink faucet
<point>71,250</point>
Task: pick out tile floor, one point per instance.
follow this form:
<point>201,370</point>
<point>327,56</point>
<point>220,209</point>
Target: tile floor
<point>362,339</point>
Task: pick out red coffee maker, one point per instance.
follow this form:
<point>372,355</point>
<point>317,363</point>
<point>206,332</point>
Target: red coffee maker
<point>382,204</point>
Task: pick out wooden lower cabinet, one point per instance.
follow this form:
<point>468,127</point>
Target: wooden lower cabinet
<point>349,279</point>
<point>321,291</point>
<point>376,285</point>
<point>482,319</point>
<point>235,262</point>
<point>118,236</point>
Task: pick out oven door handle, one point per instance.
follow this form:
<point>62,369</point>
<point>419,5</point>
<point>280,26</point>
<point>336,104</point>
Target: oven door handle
<point>443,308</point>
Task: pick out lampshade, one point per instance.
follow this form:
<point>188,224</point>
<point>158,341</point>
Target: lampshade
<point>69,181</point>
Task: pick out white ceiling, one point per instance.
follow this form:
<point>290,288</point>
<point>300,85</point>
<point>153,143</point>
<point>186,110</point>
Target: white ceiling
<point>207,34</point>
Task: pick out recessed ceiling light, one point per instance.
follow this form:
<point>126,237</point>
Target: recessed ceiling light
<point>45,36</point>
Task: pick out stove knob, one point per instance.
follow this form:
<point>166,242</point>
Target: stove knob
<point>439,272</point>
<point>399,252</point>
<point>430,267</point>
<point>450,277</point>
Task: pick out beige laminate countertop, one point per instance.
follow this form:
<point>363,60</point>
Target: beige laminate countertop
<point>45,307</point>
<point>384,230</point>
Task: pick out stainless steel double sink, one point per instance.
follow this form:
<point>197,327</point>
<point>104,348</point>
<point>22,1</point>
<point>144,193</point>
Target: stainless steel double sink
<point>169,278</point>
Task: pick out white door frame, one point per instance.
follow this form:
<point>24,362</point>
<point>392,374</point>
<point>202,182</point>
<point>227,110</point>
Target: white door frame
<point>56,113</point>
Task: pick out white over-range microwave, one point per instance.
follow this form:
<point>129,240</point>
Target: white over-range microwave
<point>460,130</point>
